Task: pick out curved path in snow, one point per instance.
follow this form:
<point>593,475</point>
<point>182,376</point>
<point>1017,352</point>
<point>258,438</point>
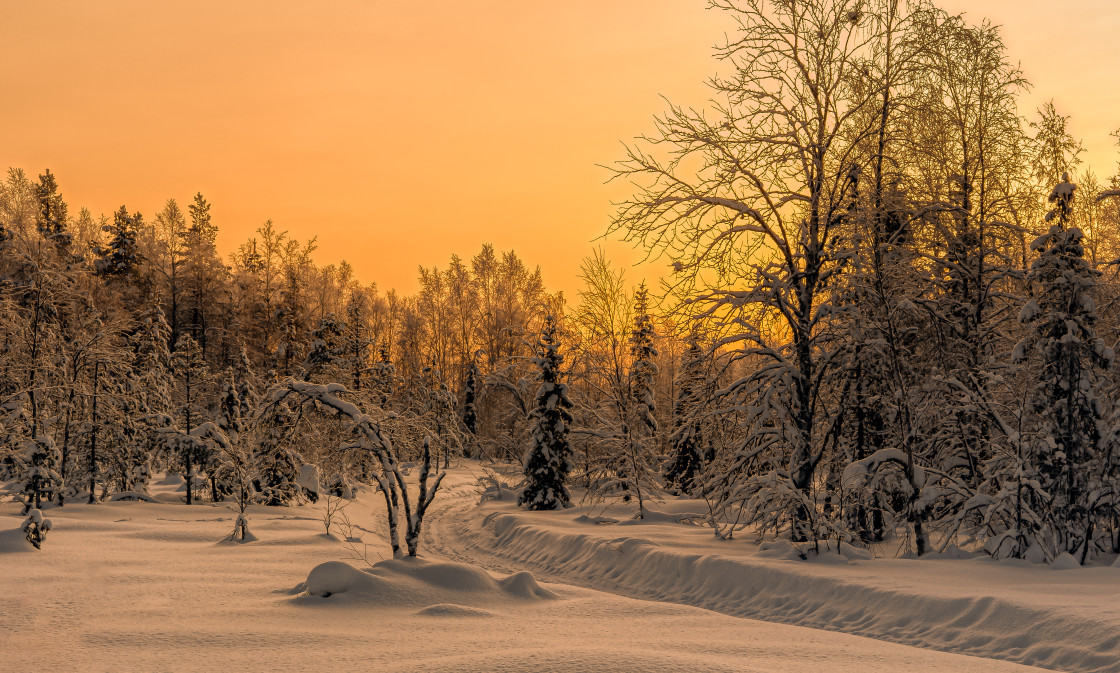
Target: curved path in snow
<point>986,626</point>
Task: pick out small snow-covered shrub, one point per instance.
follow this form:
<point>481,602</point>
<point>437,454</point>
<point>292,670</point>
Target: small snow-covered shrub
<point>35,527</point>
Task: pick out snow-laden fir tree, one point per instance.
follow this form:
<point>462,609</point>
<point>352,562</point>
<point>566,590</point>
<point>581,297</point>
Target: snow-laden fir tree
<point>52,219</point>
<point>1061,316</point>
<point>384,378</point>
<point>326,349</point>
<point>243,375</point>
<point>223,475</point>
<point>125,444</point>
<point>151,365</point>
<point>356,342</point>
<point>120,256</point>
<point>470,401</point>
<point>686,458</point>
<point>550,455</point>
<point>191,372</point>
<point>636,468</point>
<point>276,465</point>
<point>39,475</point>
<point>14,422</point>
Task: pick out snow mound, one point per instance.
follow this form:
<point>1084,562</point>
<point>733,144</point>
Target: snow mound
<point>453,610</point>
<point>419,583</point>
<point>1065,561</point>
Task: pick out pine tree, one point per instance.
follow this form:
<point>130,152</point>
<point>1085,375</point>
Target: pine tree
<point>682,471</point>
<point>52,212</point>
<point>550,456</point>
<point>470,404</point>
<point>40,477</point>
<point>637,473</point>
<point>355,337</point>
<point>384,378</point>
<point>243,374</point>
<point>1061,316</point>
<point>151,365</point>
<point>13,434</point>
<point>190,369</point>
<point>201,267</point>
<point>120,256</point>
<point>326,349</point>
<point>275,463</point>
<point>229,421</point>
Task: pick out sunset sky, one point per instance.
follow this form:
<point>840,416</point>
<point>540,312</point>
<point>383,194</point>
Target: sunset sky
<point>402,132</point>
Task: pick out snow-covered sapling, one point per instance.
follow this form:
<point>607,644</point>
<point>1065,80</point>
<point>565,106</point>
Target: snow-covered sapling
<point>35,527</point>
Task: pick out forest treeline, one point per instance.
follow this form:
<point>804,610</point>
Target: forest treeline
<point>889,313</point>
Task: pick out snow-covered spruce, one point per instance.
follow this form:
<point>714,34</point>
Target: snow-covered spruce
<point>277,464</point>
<point>470,402</point>
<point>1070,455</point>
<point>550,455</point>
<point>685,460</point>
<point>39,475</point>
<point>191,371</point>
<point>636,468</point>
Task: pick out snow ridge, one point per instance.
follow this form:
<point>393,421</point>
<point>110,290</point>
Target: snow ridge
<point>984,626</point>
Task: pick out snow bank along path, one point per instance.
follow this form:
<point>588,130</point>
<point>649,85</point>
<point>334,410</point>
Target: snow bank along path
<point>929,604</point>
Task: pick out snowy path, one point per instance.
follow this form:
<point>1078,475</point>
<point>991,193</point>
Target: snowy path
<point>1035,616</point>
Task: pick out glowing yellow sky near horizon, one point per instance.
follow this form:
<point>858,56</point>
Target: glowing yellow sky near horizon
<point>399,132</point>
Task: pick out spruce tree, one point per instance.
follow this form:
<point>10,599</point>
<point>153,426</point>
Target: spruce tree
<point>243,375</point>
<point>222,477</point>
<point>40,477</point>
<point>682,470</point>
<point>51,219</point>
<point>120,256</point>
<point>151,365</point>
<point>276,464</point>
<point>470,402</point>
<point>550,455</point>
<point>637,473</point>
<point>190,370</point>
<point>384,378</point>
<point>356,343</point>
<point>1061,317</point>
<point>326,349</point>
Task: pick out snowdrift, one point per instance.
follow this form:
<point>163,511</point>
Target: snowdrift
<point>440,588</point>
<point>783,591</point>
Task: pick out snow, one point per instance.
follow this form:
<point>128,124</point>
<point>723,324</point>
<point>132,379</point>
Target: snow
<point>412,582</point>
<point>1065,561</point>
<point>501,589</point>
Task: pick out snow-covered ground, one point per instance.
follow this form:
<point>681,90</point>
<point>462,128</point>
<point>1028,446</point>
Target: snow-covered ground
<point>149,586</point>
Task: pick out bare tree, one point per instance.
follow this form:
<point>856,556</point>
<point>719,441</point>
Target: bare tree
<point>747,199</point>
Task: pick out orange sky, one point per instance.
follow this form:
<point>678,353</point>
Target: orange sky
<point>402,132</point>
